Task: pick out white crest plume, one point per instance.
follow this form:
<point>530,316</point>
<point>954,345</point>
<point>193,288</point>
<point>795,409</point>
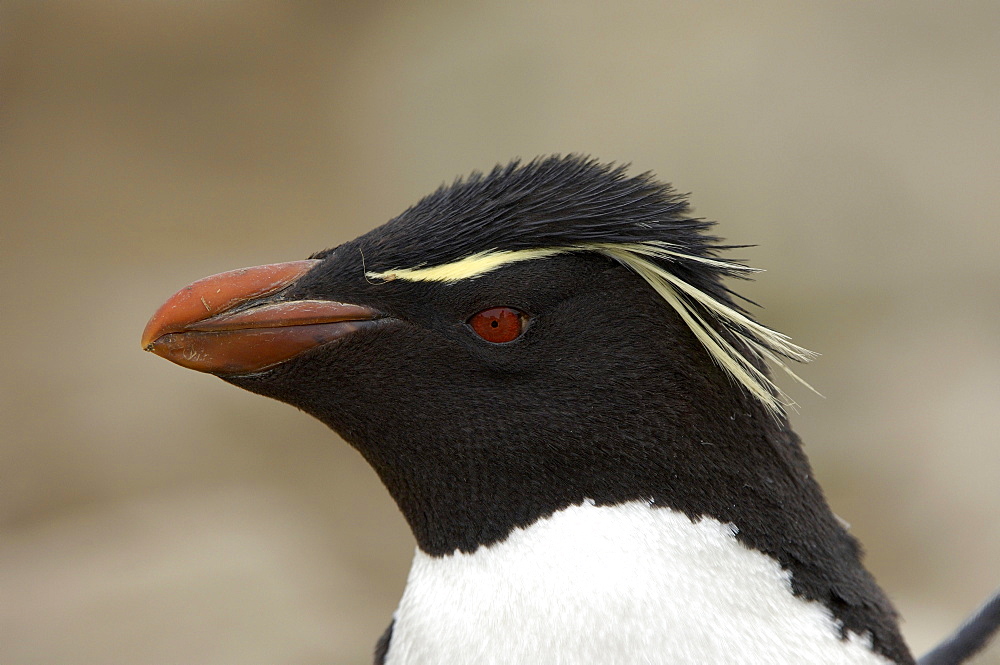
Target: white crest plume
<point>760,340</point>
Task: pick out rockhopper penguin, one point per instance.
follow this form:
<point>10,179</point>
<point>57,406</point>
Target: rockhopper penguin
<point>572,412</point>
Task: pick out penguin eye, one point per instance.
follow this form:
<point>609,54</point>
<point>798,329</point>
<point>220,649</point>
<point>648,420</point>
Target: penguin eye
<point>499,324</point>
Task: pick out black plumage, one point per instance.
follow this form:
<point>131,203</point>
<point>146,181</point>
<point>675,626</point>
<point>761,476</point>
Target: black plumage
<point>608,395</point>
<point>548,202</point>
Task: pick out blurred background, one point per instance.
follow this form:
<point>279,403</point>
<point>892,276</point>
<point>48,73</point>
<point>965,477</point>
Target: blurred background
<point>154,515</point>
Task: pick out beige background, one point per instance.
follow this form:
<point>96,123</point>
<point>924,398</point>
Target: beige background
<point>153,515</point>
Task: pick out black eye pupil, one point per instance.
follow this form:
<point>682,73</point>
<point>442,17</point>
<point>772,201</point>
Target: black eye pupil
<point>494,323</point>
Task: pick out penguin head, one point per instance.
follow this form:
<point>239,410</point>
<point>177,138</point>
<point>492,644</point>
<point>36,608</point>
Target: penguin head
<point>546,335</point>
<point>513,343</point>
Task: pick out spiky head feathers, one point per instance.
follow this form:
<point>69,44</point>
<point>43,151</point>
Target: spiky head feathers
<point>559,205</point>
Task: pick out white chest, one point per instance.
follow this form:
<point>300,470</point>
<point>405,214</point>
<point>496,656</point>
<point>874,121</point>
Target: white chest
<point>619,584</point>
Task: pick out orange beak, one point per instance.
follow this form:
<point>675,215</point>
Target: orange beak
<point>203,327</point>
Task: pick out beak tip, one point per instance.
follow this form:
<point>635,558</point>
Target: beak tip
<point>151,333</point>
<point>215,294</point>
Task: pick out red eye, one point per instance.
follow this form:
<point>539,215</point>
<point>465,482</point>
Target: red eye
<point>499,324</point>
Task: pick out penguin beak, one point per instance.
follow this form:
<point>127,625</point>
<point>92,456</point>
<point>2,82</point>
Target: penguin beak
<point>236,322</point>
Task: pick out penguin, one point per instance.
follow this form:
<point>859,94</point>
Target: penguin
<point>574,413</point>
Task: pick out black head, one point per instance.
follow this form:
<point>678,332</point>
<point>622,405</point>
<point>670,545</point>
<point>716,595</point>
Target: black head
<point>629,374</point>
<point>606,394</point>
